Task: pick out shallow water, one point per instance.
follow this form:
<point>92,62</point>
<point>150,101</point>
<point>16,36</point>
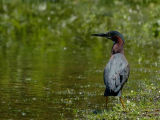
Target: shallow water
<point>66,83</point>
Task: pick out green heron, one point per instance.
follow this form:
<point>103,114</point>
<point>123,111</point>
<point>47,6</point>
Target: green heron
<point>117,70</point>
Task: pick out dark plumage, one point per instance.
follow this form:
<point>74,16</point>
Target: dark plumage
<point>116,74</point>
<point>117,70</point>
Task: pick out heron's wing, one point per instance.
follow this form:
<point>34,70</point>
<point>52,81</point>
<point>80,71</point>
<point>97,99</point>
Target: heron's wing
<point>116,73</point>
<point>122,78</point>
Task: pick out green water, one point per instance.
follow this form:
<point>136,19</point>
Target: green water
<point>51,68</point>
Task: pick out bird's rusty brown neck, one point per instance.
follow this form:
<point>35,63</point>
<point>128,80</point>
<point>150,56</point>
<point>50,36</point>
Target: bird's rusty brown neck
<point>117,46</point>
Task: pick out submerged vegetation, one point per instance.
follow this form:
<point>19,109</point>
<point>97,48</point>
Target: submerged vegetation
<point>52,68</point>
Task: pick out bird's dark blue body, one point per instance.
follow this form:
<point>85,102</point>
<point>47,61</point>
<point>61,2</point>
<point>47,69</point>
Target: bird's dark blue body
<point>116,73</point>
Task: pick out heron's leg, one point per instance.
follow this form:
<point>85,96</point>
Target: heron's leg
<point>107,99</point>
<point>122,103</point>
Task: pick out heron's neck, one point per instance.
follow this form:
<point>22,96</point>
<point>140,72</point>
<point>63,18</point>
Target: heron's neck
<point>117,46</point>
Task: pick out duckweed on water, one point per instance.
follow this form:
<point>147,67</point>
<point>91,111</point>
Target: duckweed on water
<point>52,68</point>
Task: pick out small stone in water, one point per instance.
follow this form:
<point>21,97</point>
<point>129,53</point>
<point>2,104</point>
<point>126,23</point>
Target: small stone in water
<point>65,48</point>
<point>23,113</point>
<point>34,99</point>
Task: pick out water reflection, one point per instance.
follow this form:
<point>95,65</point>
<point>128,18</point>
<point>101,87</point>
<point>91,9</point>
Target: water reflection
<point>60,83</point>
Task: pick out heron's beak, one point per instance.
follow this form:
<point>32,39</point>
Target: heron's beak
<point>102,35</point>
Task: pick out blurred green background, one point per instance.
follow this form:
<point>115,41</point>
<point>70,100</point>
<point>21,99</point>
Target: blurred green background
<point>51,67</point>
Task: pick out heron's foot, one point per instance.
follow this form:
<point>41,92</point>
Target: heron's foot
<point>123,104</point>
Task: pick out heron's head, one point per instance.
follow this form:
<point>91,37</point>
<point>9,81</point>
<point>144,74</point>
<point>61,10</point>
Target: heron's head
<point>115,36</point>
